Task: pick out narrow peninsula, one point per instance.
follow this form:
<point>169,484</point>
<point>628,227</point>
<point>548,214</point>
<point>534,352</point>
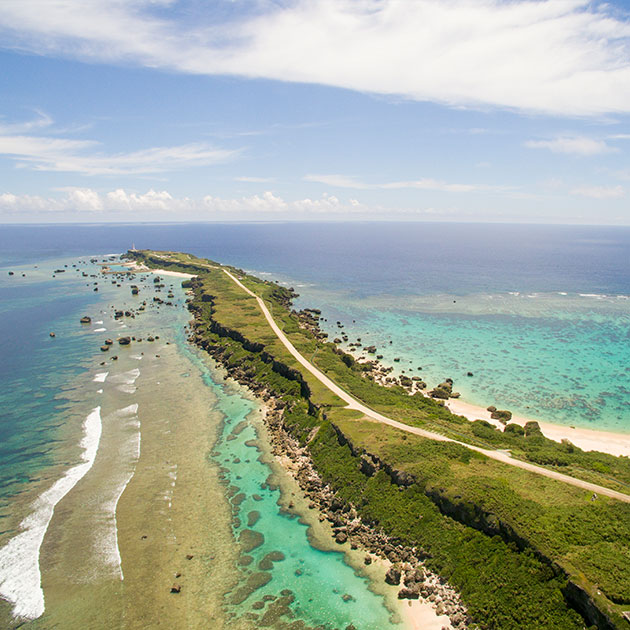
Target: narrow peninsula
<point>499,529</point>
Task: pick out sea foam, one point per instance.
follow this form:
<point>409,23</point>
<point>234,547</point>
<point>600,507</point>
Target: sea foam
<point>129,453</point>
<point>100,377</point>
<point>126,381</point>
<point>20,576</point>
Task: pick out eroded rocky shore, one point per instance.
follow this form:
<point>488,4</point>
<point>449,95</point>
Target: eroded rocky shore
<point>406,567</point>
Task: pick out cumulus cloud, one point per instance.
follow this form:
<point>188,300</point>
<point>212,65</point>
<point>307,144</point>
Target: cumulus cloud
<point>562,57</point>
<point>600,192</point>
<point>160,205</point>
<point>572,145</point>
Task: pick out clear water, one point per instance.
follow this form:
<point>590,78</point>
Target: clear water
<point>328,593</point>
<point>50,385</point>
<point>539,314</point>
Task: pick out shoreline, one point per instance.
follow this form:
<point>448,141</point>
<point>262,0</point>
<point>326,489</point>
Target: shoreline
<point>413,614</point>
<point>617,444</point>
<point>346,517</point>
<point>602,440</point>
<point>318,512</point>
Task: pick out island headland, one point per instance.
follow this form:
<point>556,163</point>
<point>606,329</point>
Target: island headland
<point>469,516</point>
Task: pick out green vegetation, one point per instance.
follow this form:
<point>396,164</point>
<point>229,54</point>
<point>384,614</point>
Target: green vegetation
<point>525,551</point>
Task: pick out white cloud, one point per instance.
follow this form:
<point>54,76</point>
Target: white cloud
<point>434,184</point>
<point>85,199</point>
<point>339,181</point>
<point>573,145</point>
<point>120,204</point>
<point>600,192</point>
<point>426,183</point>
<point>267,202</point>
<point>42,120</point>
<point>45,153</point>
<point>562,57</point>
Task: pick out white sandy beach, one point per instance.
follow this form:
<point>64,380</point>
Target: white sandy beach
<point>586,439</point>
<point>134,266</point>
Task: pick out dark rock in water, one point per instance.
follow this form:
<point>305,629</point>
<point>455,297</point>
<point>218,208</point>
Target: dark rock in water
<point>245,561</point>
<point>52,334</point>
<point>250,540</point>
<point>150,339</point>
<point>252,518</point>
<point>108,342</point>
<point>367,560</point>
<point>11,273</point>
<point>135,291</point>
<point>469,374</point>
<point>86,320</point>
<point>124,341</point>
<point>176,588</point>
<point>276,611</point>
<point>266,564</point>
<point>104,348</point>
<point>115,358</point>
<point>239,498</point>
<point>347,597</point>
<point>393,575</point>
<point>254,582</point>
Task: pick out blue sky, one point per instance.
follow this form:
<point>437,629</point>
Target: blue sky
<point>449,110</point>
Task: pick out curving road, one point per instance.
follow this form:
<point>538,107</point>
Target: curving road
<point>500,456</point>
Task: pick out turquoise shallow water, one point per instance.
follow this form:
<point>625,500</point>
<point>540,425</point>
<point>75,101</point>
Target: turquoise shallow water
<point>558,358</point>
<point>40,429</point>
<point>327,592</point>
<point>533,311</point>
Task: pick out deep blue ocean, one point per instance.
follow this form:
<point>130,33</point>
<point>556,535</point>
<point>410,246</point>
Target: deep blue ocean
<point>369,258</point>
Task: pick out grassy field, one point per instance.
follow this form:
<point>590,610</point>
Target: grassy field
<point>525,551</point>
